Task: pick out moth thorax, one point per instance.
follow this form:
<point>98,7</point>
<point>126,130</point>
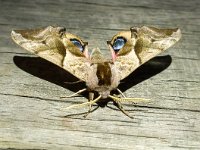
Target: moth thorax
<point>104,74</point>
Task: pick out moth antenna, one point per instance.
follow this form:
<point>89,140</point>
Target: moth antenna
<point>83,104</point>
<point>126,99</point>
<point>72,95</point>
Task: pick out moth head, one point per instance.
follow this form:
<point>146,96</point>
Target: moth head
<point>75,45</point>
<point>96,55</point>
<point>122,43</point>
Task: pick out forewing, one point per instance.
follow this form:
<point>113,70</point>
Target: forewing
<point>141,45</point>
<point>54,45</point>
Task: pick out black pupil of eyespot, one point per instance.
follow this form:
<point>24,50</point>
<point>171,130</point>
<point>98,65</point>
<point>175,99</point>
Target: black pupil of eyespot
<point>77,43</point>
<point>119,43</point>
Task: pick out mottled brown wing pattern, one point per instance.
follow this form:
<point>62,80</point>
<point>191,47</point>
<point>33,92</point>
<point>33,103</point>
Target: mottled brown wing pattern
<point>54,45</point>
<point>141,45</point>
<point>152,41</point>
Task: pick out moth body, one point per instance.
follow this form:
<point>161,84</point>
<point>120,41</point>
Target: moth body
<point>102,78</point>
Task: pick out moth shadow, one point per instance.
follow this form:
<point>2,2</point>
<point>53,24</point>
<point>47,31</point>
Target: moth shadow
<point>146,71</point>
<point>43,69</point>
<point>46,70</point>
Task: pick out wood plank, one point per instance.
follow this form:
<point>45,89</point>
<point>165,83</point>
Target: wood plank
<point>30,115</point>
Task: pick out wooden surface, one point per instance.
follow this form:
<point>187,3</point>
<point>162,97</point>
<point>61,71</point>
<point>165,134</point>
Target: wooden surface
<point>30,115</point>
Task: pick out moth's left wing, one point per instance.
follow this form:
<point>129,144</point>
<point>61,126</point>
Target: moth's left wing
<point>57,46</point>
<point>132,48</point>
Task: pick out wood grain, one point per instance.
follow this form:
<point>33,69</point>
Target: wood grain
<point>30,115</point>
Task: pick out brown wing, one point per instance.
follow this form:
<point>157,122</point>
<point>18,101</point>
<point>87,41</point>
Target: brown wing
<point>54,45</point>
<point>141,44</point>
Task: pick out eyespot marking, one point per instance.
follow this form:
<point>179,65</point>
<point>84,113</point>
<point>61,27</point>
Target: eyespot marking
<point>118,43</point>
<point>78,44</point>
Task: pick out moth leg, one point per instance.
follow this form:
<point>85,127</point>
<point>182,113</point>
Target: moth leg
<point>72,95</point>
<point>91,98</point>
<point>120,99</point>
<point>120,92</point>
<point>117,101</point>
<point>83,104</point>
<point>119,105</point>
<point>75,82</point>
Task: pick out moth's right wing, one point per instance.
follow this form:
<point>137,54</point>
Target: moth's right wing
<point>132,48</point>
<point>57,46</point>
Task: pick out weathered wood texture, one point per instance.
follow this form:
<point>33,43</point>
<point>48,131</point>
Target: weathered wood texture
<point>30,115</point>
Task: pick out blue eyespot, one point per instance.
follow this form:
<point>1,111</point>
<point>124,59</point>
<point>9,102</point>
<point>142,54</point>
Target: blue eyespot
<point>119,43</point>
<point>78,44</point>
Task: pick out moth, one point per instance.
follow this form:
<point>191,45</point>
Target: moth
<point>129,49</point>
